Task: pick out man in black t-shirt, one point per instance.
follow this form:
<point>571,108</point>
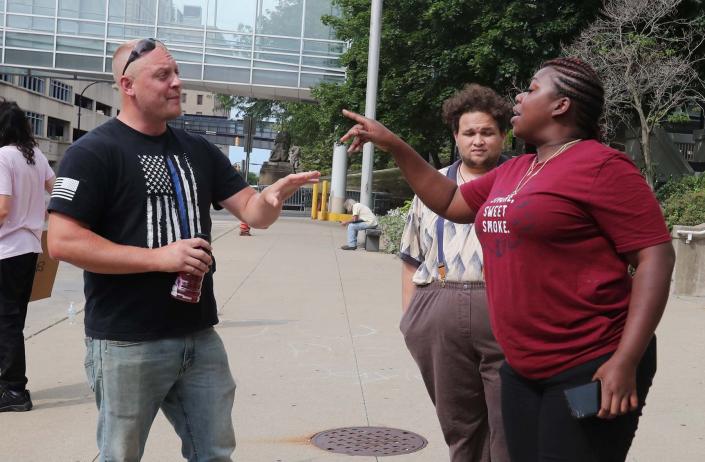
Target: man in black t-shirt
<point>129,198</point>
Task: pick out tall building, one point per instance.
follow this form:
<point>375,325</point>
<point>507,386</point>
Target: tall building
<point>60,110</point>
<point>201,103</point>
<point>262,48</point>
<point>275,49</point>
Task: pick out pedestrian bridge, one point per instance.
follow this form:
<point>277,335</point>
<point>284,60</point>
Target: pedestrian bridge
<point>226,131</point>
<point>270,49</point>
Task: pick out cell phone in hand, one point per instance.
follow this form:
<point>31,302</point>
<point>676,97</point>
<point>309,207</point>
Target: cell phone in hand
<point>583,400</point>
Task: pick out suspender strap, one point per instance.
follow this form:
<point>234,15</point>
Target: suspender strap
<point>452,173</point>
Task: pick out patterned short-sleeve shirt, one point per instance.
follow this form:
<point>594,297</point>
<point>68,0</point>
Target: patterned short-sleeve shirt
<point>419,246</point>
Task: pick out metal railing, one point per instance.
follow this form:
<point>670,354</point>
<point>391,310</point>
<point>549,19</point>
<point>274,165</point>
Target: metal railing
<point>689,234</point>
<point>381,201</point>
<point>687,150</point>
<point>302,199</point>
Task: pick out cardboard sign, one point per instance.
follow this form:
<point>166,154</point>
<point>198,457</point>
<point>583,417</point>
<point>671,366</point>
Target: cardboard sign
<point>45,274</point>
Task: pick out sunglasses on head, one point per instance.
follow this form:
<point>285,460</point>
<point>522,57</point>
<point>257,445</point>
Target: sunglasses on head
<point>142,47</point>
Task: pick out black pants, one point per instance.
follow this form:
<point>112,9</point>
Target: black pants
<point>539,427</point>
<point>16,278</point>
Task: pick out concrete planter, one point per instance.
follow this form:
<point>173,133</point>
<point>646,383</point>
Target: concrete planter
<point>689,273</point>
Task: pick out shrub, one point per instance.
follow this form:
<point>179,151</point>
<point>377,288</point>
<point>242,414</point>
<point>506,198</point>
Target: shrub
<point>392,225</point>
<point>678,117</point>
<point>683,201</point>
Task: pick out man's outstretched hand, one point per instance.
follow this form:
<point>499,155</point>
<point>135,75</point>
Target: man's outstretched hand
<point>281,190</point>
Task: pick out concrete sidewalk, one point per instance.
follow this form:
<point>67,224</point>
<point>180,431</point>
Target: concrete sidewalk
<point>312,337</point>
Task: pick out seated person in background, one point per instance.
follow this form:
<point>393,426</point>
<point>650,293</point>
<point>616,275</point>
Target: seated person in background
<point>362,218</point>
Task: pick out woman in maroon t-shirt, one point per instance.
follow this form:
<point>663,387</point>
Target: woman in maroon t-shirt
<point>558,230</point>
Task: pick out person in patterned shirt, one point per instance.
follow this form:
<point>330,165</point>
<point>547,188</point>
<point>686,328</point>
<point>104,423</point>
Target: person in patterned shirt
<point>445,322</point>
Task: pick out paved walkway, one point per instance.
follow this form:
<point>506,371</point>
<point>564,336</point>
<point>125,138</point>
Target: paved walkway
<point>313,342</point>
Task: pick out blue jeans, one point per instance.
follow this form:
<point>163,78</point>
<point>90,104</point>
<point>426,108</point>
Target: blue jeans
<point>353,228</point>
<point>188,378</point>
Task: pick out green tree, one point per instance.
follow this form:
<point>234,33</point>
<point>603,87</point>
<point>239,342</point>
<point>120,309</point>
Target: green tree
<point>252,178</point>
<point>430,48</point>
<point>683,201</point>
<point>646,55</point>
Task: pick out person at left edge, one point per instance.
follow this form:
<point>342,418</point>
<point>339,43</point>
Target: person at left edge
<point>24,176</point>
<point>128,198</point>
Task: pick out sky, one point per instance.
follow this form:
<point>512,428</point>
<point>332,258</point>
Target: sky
<point>258,156</point>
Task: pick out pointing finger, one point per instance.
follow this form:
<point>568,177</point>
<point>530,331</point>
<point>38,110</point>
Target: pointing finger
<point>354,116</point>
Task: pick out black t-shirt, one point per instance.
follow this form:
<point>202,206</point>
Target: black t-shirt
<point>144,191</point>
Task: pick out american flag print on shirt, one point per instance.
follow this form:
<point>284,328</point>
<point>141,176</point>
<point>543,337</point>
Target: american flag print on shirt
<point>65,188</point>
<point>172,199</point>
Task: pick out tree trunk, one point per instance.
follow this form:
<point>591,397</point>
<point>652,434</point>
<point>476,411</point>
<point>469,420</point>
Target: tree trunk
<point>646,152</point>
<point>436,160</point>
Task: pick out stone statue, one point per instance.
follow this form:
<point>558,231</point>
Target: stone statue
<point>295,157</point>
<point>280,153</point>
<point>278,166</point>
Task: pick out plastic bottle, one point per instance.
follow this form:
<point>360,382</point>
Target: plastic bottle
<point>187,287</point>
<point>71,313</point>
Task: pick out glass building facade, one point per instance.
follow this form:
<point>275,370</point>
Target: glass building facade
<point>261,48</point>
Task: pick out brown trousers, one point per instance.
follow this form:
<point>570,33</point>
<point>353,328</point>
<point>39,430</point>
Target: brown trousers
<point>448,333</point>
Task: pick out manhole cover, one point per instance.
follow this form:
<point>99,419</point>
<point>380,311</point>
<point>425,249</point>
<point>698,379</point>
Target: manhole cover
<point>369,441</point>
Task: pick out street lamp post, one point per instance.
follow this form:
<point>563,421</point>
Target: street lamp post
<point>371,100</point>
<point>80,101</point>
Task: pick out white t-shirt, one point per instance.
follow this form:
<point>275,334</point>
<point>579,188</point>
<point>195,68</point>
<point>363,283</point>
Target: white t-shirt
<point>21,232</point>
<point>364,213</point>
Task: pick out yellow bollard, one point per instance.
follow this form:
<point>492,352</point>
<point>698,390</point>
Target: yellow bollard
<point>314,202</point>
<point>323,215</point>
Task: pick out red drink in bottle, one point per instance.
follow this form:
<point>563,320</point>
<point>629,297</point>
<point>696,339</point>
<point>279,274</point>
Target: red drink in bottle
<point>187,287</point>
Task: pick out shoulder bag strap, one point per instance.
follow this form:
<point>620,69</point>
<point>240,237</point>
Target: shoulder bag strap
<point>452,173</point>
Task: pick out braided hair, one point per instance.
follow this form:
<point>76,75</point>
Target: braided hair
<point>14,129</point>
<point>578,81</point>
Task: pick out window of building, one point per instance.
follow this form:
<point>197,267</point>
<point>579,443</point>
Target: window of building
<point>45,7</point>
<point>270,11</point>
<point>78,133</point>
<point>183,97</point>
<point>199,99</point>
<point>61,91</point>
<point>85,103</point>
<point>104,108</point>
<point>83,9</point>
<point>32,83</point>
<point>36,121</point>
<point>57,129</point>
<point>133,11</point>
